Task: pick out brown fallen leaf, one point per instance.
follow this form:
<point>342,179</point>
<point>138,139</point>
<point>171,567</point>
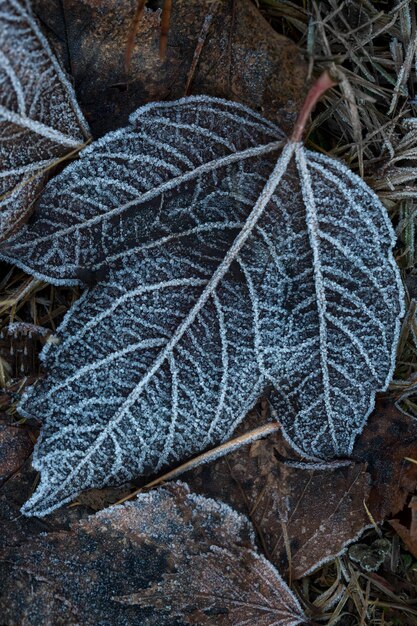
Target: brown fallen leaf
<point>123,550</point>
<point>16,446</point>
<point>405,534</point>
<point>304,516</point>
<point>241,57</point>
<point>222,588</point>
<point>413,524</point>
<point>408,535</point>
<point>389,438</point>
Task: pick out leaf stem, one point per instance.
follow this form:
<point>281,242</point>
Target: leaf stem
<point>316,91</point>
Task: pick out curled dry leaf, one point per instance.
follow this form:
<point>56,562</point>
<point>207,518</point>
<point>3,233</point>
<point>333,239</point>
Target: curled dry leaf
<point>241,57</point>
<point>227,257</point>
<point>408,533</point>
<point>370,557</point>
<point>122,550</point>
<point>40,120</point>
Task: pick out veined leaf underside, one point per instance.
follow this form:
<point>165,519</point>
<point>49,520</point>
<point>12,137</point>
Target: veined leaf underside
<point>250,276</point>
<point>40,120</point>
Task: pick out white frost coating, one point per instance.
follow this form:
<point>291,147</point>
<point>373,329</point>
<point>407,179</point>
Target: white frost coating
<point>325,395</point>
<point>90,222</point>
<point>230,271</point>
<point>40,119</point>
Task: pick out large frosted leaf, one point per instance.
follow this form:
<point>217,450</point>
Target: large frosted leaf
<point>39,117</point>
<point>255,271</point>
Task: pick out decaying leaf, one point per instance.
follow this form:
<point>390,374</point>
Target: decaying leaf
<point>306,516</point>
<point>408,533</point>
<point>386,444</point>
<point>224,588</point>
<point>226,260</point>
<point>124,549</point>
<point>40,120</point>
<point>15,447</point>
<point>303,517</point>
<point>242,58</point>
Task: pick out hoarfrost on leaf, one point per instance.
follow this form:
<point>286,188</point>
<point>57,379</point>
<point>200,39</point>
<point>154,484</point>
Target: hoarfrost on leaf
<point>223,587</point>
<point>113,199</point>
<point>125,549</point>
<point>40,120</point>
<point>232,266</point>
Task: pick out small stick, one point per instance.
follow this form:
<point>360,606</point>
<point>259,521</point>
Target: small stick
<point>237,442</point>
<point>140,7</point>
<point>324,83</point>
<point>165,18</point>
<point>200,43</point>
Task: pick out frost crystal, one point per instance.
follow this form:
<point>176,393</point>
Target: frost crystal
<point>231,268</point>
<point>39,117</point>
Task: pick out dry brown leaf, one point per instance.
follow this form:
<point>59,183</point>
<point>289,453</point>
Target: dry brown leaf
<point>124,549</point>
<point>389,438</point>
<point>305,516</point>
<point>242,57</point>
<point>405,534</point>
<point>15,447</point>
<point>224,588</point>
<point>408,534</point>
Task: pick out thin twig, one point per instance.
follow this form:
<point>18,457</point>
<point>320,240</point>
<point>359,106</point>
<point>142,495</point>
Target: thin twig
<point>210,455</point>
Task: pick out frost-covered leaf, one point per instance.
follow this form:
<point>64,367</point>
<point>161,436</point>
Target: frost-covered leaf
<point>230,270</point>
<point>51,579</point>
<point>224,588</point>
<point>39,117</point>
<point>135,185</point>
<point>370,557</point>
